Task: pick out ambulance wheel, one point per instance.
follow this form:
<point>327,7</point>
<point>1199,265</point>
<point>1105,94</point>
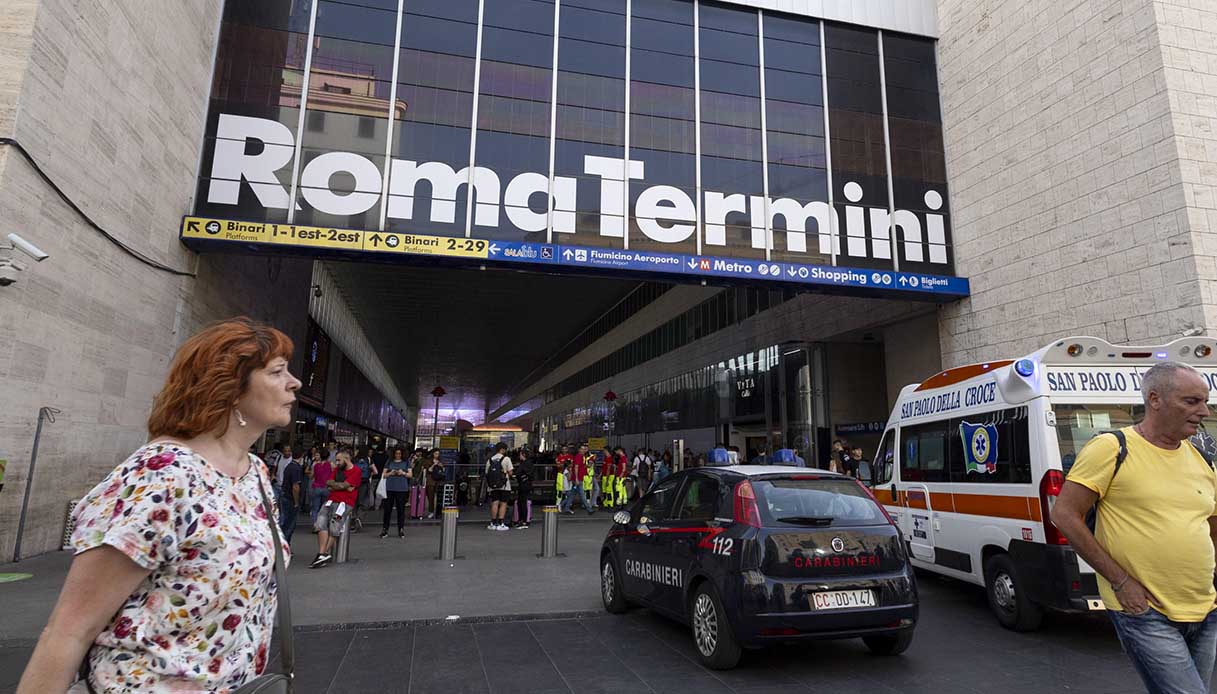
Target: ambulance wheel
<point>716,645</point>
<point>1007,596</point>
<point>610,586</point>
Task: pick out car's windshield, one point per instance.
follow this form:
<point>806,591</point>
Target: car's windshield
<point>823,502</point>
<point>1077,424</point>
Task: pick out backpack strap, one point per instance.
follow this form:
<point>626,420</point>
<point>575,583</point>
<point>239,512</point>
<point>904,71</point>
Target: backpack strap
<point>1123,450</point>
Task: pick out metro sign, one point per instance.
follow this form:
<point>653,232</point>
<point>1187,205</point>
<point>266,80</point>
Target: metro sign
<point>663,213</point>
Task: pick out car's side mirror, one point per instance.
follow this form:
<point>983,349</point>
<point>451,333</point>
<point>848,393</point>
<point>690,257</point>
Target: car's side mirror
<point>642,525</point>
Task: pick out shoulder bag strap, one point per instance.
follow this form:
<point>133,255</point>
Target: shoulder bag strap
<point>287,651</point>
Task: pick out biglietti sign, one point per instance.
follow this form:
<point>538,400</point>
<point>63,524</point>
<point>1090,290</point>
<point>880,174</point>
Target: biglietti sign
<point>252,155</point>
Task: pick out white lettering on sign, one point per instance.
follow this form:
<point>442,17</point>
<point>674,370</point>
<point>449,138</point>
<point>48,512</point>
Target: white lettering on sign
<point>655,573</point>
<point>663,213</point>
<point>1089,381</point>
<point>972,396</point>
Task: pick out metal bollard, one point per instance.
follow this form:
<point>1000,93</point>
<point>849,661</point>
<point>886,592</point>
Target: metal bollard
<point>447,534</point>
<point>343,552</point>
<point>549,534</point>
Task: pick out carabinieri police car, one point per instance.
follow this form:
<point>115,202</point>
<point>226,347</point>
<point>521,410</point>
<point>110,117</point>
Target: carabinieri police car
<point>750,555</point>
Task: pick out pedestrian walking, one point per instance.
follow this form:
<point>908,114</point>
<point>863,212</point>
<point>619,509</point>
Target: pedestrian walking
<point>436,477</point>
<point>418,484</point>
<point>1154,531</point>
<point>290,492</point>
<point>339,508</point>
<point>276,459</point>
<point>172,586</point>
<point>524,477</point>
<point>397,484</point>
<point>319,490</point>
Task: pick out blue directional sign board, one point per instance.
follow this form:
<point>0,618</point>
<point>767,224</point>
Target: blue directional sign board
<point>200,232</point>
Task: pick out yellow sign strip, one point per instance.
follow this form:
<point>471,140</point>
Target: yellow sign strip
<point>326,237</point>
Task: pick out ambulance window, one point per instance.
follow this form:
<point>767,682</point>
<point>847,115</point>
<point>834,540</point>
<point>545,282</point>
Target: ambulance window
<point>885,457</point>
<point>924,453</point>
<point>699,501</point>
<point>1077,424</point>
<point>992,447</point>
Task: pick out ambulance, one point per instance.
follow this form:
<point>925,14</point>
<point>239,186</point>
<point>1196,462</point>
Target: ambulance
<point>973,458</point>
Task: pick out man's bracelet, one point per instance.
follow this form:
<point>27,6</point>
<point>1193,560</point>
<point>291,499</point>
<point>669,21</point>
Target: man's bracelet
<point>1120,587</point>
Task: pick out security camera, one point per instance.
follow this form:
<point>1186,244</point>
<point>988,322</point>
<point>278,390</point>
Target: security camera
<point>28,248</point>
<point>317,291</point>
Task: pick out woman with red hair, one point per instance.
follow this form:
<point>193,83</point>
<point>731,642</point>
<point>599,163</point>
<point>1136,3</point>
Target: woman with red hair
<point>172,587</point>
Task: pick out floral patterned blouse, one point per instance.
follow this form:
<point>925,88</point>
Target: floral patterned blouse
<point>202,620</point>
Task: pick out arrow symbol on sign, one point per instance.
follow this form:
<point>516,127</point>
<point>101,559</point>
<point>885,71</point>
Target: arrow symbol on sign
<point>566,254</point>
<point>375,239</point>
<point>903,281</point>
<point>693,264</point>
<point>494,249</point>
<point>792,271</point>
<point>193,226</point>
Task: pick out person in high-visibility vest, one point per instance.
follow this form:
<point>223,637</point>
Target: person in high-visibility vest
<point>562,465</point>
<point>608,481</point>
<point>582,479</point>
<point>622,464</point>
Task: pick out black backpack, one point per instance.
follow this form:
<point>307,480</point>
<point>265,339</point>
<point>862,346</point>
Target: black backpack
<point>1202,442</point>
<point>495,477</point>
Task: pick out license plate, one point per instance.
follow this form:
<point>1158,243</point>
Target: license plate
<point>843,599</point>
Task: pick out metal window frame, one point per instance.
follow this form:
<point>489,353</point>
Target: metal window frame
<point>304,90</point>
<point>625,171</point>
<point>834,229</point>
<point>697,122</point>
<point>887,154</point>
<point>384,187</point>
<point>553,124</point>
<point>470,199</point>
<point>760,44</point>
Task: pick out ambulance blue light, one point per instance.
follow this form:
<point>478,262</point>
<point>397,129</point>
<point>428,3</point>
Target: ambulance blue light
<point>1159,355</point>
<point>1024,367</point>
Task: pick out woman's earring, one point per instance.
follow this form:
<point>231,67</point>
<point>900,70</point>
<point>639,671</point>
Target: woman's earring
<point>240,420</point>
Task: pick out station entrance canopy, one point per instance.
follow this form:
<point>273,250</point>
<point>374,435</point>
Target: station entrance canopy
<point>663,139</point>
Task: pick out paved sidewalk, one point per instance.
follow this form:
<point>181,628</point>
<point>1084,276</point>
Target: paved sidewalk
<point>397,579</point>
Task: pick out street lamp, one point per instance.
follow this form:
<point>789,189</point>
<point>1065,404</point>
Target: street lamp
<point>438,392</point>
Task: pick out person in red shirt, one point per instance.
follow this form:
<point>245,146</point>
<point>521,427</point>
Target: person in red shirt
<point>562,465</point>
<point>608,480</point>
<point>577,471</point>
<point>621,471</point>
<point>334,516</point>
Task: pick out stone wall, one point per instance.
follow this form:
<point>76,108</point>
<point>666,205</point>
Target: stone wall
<point>1071,213</point>
<point>111,103</point>
<point>1187,37</point>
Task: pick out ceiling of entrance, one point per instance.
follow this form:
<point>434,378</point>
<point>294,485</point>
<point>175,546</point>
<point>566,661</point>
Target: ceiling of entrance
<point>478,334</point>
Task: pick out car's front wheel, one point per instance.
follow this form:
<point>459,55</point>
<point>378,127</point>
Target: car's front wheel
<point>716,644</point>
<point>610,587</point>
<point>889,644</point>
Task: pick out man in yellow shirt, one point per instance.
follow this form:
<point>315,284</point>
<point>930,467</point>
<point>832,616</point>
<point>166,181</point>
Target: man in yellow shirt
<point>1155,533</point>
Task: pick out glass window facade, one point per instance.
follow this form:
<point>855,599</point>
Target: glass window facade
<point>682,126</point>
